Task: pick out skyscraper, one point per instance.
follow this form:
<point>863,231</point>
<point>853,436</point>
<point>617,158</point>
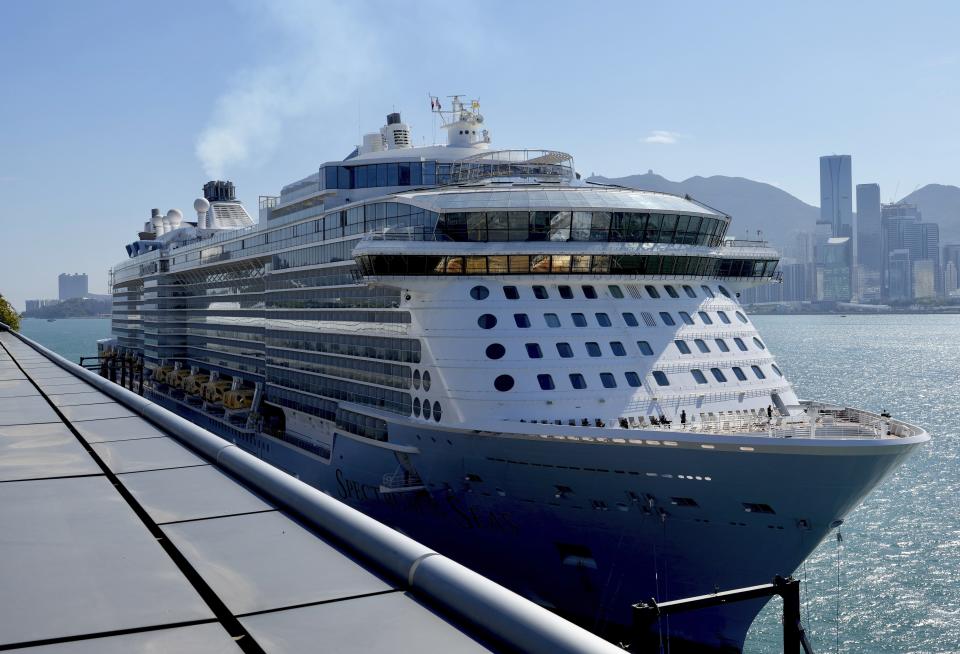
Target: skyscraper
<point>869,240</point>
<point>72,286</point>
<point>836,201</point>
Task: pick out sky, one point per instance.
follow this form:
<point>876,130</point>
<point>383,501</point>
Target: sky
<point>109,109</point>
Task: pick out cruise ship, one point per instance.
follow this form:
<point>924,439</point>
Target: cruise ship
<point>549,380</point>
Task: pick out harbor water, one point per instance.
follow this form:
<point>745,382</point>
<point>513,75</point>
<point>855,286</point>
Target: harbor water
<point>899,561</point>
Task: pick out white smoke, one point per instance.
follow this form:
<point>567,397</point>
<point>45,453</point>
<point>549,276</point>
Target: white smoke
<point>323,53</point>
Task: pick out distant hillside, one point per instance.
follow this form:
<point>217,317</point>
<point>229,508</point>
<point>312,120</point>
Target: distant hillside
<point>939,203</point>
<point>753,205</point>
<point>75,308</point>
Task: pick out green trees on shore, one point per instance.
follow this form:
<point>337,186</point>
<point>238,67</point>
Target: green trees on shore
<point>8,315</point>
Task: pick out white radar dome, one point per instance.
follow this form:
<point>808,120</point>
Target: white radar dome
<point>201,204</point>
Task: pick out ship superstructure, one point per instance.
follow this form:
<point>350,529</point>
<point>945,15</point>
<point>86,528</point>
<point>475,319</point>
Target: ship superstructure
<point>550,380</point>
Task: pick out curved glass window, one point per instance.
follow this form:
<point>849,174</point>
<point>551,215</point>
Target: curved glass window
<point>494,351</point>
<point>705,317</point>
<point>564,350</point>
<point>740,344</point>
<point>617,348</point>
<point>723,290</point>
<point>738,371</point>
<point>479,292</point>
<point>540,292</point>
<point>577,381</point>
<point>706,289</point>
<point>776,369</point>
<point>758,372</point>
<point>742,318</point>
<point>667,318</point>
<point>759,343</point>
<point>534,351</point>
<point>565,292</point>
<point>682,347</point>
<point>416,378</point>
<point>546,382</point>
<point>553,320</point>
<point>603,320</point>
<point>724,318</point>
<point>685,317</point>
<point>426,409</point>
<point>426,380</point>
<point>615,291</point>
<point>633,379</point>
<point>661,378</point>
<point>416,407</point>
<point>671,291</point>
<point>608,380</point>
<point>718,375</point>
<point>522,320</point>
<point>645,348</point>
<point>511,293</point>
<point>500,225</point>
<point>579,319</point>
<point>703,347</point>
<point>689,291</point>
<point>698,376</point>
<point>503,383</point>
<point>652,292</point>
<point>722,344</point>
<point>487,321</point>
<point>593,349</point>
<point>590,292</point>
<point>436,411</point>
<point>630,319</point>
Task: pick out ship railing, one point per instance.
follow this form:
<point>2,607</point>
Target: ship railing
<point>406,234</point>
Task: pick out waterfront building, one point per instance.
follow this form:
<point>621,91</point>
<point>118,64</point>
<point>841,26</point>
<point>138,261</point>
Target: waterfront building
<point>950,284</point>
<point>924,279</point>
<point>552,381</point>
<point>833,270</point>
<point>33,305</point>
<point>868,218</point>
<point>72,285</point>
<point>899,276</point>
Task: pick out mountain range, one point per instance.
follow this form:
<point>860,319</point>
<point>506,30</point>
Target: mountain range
<point>774,212</point>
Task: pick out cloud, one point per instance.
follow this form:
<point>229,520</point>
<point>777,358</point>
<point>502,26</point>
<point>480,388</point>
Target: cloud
<point>324,52</point>
<point>662,137</point>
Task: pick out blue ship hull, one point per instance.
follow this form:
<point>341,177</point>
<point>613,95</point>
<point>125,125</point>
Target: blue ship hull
<point>588,529</point>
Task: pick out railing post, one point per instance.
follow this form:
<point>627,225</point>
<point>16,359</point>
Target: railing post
<point>790,592</point>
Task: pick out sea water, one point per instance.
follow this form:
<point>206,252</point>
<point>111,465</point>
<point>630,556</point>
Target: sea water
<point>899,572</point>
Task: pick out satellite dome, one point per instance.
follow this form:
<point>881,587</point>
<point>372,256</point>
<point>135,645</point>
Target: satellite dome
<point>174,213</point>
<point>201,204</point>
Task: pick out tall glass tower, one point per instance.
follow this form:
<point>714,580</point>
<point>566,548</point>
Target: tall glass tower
<point>836,194</point>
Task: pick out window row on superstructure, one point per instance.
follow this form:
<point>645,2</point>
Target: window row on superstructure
<point>566,264</point>
<point>603,319</point>
<point>602,226</point>
<point>589,292</point>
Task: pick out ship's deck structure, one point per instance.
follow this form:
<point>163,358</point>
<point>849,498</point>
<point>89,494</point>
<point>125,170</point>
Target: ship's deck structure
<point>117,537</point>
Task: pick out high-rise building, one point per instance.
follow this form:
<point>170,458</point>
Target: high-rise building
<point>924,279</point>
<point>72,286</point>
<point>899,280</point>
<point>948,253</point>
<point>898,221</point>
<point>869,239</point>
<point>950,278</point>
<point>833,270</point>
<point>836,201</point>
<point>33,305</point>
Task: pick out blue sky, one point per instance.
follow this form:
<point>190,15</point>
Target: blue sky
<point>111,108</point>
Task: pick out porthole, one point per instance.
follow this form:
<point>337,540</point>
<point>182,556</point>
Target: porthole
<point>540,292</point>
<point>698,376</point>
<point>590,292</point>
<point>742,318</point>
<point>416,407</point>
<point>682,346</point>
<point>534,351</point>
<point>725,292</point>
<point>565,292</point>
<point>633,379</point>
<point>426,409</point>
<point>494,351</point>
<point>645,348</point>
<point>776,369</point>
<point>652,292</point>
<point>487,321</point>
<point>759,343</point>
<point>546,382</point>
<point>416,379</point>
<point>593,349</point>
<point>479,293</point>
<point>608,380</point>
<point>689,291</point>
<point>503,383</point>
<point>671,291</point>
<point>511,293</point>
<point>723,317</point>
<point>661,378</point>
<point>706,289</point>
<point>705,317</point>
<point>615,291</point>
<point>630,319</point>
<point>577,381</point>
<point>564,350</point>
<point>436,412</point>
<point>579,319</point>
<point>426,380</point>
